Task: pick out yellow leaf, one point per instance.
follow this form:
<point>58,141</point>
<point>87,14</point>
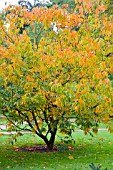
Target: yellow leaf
<point>101,138</point>
<point>15,147</point>
<point>70,157</point>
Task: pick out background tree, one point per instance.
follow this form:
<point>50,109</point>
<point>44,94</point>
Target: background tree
<point>30,6</point>
<point>71,3</point>
<point>49,78</point>
<point>37,3</point>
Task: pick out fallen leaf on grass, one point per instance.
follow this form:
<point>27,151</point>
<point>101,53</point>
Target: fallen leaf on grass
<point>101,138</point>
<point>110,143</point>
<point>70,157</point>
<point>15,147</point>
<point>70,148</point>
<point>8,167</point>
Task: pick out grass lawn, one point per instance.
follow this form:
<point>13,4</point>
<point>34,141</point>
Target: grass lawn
<point>98,150</point>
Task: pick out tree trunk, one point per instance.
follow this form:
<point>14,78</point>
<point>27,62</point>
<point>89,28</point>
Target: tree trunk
<point>50,146</point>
<point>50,143</point>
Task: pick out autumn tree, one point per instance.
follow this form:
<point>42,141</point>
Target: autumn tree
<point>36,3</point>
<point>46,3</point>
<point>110,6</point>
<point>71,4</point>
<point>55,81</point>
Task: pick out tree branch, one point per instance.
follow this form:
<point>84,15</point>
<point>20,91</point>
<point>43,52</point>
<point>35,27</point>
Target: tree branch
<point>7,35</point>
<point>36,123</point>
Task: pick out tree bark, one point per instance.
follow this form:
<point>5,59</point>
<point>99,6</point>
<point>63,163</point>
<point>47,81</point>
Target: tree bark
<point>50,143</point>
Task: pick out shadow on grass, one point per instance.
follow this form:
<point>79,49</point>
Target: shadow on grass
<point>76,156</point>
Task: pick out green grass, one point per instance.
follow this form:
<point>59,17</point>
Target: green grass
<point>98,150</point>
<point>102,125</point>
<point>3,121</point>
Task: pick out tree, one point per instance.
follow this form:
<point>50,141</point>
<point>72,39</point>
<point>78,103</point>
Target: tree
<point>37,3</point>
<point>60,3</point>
<point>71,3</point>
<point>56,81</point>
<point>110,6</point>
<point>46,3</point>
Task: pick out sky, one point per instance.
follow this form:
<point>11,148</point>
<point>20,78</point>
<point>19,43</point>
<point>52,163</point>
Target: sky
<point>14,2</point>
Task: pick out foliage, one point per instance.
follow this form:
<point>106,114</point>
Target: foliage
<point>48,4</point>
<point>110,6</point>
<point>37,3</point>
<point>54,80</point>
<point>93,167</point>
<point>71,3</point>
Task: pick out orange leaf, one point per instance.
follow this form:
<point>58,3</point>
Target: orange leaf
<point>70,157</point>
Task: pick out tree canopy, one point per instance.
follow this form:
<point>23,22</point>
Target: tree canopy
<point>55,81</point>
<point>71,3</point>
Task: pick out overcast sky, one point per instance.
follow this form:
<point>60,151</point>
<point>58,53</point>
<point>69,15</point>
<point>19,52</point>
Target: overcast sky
<point>2,3</point>
<point>15,2</point>
<point>5,3</point>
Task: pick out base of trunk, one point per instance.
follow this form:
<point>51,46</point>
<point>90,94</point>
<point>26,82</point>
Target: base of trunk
<point>34,149</point>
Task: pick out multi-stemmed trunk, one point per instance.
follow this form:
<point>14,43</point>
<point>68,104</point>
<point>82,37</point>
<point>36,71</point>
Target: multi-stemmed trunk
<point>50,142</point>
